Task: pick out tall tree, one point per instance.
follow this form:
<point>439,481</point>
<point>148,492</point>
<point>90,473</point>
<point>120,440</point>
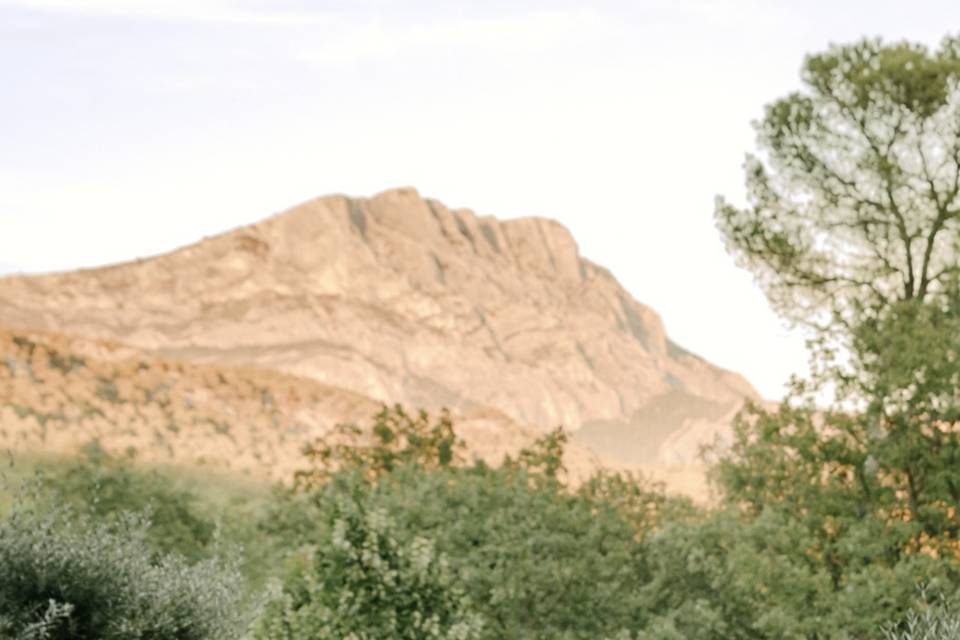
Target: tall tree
<point>853,230</point>
<point>854,200</point>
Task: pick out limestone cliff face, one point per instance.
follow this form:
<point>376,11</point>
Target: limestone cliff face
<point>401,299</point>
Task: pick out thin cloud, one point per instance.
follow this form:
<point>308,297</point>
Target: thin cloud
<point>509,34</point>
<point>216,11</point>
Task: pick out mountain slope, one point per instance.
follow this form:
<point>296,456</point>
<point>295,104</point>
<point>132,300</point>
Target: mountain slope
<point>400,299</point>
<point>60,393</point>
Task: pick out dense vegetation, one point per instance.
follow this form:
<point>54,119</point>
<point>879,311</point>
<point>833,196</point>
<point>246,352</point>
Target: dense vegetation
<point>67,577</point>
<point>839,511</point>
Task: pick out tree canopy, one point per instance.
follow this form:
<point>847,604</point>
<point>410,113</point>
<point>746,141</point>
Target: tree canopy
<point>853,230</point>
<point>853,199</point>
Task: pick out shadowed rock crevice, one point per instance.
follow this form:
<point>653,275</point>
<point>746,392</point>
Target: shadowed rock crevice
<point>586,358</point>
<point>441,269</point>
<point>358,217</point>
<point>464,229</point>
<point>437,217</point>
<point>634,323</point>
<point>547,248</point>
<point>487,230</point>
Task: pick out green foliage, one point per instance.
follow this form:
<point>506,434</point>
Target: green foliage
<point>535,558</point>
<point>395,439</point>
<point>769,576</point>
<point>538,562</point>
<point>363,583</point>
<point>795,555</point>
<point>107,390</point>
<point>869,506</point>
<point>292,519</point>
<point>853,229</point>
<point>197,518</point>
<point>108,489</point>
<point>642,503</point>
<point>908,365</point>
<point>68,578</point>
<point>544,458</point>
<point>855,206</point>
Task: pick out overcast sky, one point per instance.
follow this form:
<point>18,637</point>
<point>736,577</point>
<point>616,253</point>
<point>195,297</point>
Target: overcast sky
<point>128,127</point>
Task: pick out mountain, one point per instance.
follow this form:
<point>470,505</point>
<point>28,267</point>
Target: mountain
<point>397,298</point>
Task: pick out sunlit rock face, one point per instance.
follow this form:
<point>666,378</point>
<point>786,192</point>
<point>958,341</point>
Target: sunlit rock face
<point>401,299</point>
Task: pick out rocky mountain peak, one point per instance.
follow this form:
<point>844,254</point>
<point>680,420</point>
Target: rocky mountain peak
<point>402,299</point>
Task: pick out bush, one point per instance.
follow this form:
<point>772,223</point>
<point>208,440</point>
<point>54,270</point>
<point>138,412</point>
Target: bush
<point>536,558</point>
<point>195,521</point>
<point>87,580</point>
<point>362,583</point>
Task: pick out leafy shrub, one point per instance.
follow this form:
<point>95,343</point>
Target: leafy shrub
<point>535,558</point>
<point>86,580</point>
<point>185,518</point>
<point>362,583</point>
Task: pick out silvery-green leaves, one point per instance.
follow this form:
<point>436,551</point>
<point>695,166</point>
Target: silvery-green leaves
<point>935,621</point>
<point>64,577</point>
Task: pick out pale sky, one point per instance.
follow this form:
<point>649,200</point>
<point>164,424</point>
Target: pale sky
<point>129,127</point>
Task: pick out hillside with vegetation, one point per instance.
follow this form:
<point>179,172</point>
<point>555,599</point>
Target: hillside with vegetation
<point>61,393</point>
